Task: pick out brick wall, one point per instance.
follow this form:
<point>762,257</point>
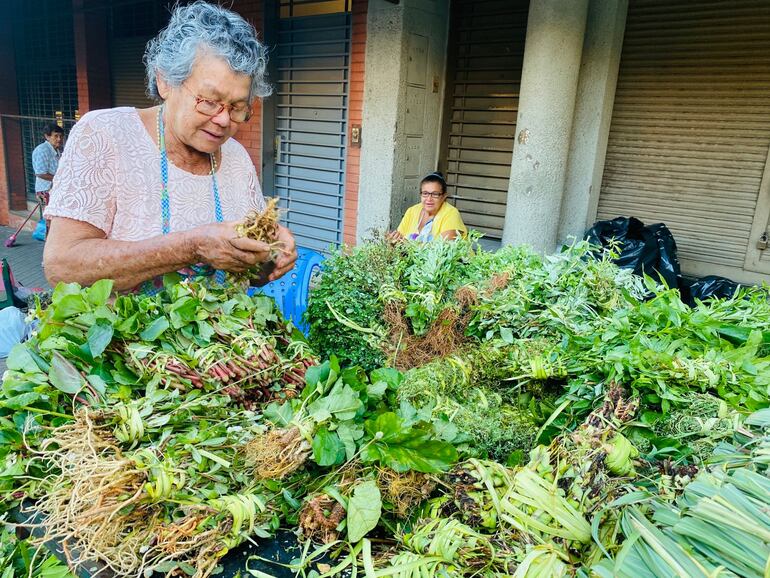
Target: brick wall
<point>355,114</point>
<point>12,184</point>
<point>92,57</point>
<point>250,133</point>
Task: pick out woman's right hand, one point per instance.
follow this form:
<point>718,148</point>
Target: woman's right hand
<point>219,245</point>
<point>394,236</point>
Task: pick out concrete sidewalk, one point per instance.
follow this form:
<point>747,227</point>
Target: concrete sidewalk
<point>25,258</point>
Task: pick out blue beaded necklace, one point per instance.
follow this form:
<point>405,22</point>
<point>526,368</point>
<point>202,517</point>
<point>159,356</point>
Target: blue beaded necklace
<point>165,205</point>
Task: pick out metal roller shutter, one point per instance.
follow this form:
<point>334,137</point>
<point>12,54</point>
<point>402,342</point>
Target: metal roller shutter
<point>486,55</point>
<point>313,57</point>
<point>129,86</point>
<point>690,128</point>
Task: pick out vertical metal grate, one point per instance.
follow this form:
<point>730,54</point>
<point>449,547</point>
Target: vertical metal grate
<point>45,70</point>
<point>313,58</point>
<point>485,60</point>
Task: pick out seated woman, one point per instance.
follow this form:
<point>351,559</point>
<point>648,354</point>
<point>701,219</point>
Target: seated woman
<point>433,217</point>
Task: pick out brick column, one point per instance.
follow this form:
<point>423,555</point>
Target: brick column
<point>355,116</point>
<point>12,180</point>
<point>92,56</point>
<point>250,134</point>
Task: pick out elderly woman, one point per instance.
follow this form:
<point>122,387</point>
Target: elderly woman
<point>141,193</point>
<point>431,218</point>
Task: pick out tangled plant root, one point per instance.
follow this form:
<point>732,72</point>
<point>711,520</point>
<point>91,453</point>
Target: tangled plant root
<point>94,508</point>
<point>405,490</point>
<point>277,453</point>
<point>91,505</point>
<point>319,518</point>
<point>445,335</point>
<point>261,226</point>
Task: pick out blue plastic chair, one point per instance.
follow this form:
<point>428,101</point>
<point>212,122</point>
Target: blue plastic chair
<point>292,290</point>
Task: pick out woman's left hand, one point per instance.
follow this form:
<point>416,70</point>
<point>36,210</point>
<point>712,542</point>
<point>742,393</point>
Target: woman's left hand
<point>287,253</point>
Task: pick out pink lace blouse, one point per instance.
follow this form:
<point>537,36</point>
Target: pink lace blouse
<point>109,176</point>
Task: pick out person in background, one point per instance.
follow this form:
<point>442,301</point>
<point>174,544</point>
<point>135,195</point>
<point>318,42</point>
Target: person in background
<point>145,192</point>
<point>45,161</point>
<point>433,217</point>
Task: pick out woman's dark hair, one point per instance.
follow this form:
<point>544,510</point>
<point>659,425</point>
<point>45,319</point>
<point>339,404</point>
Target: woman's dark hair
<point>51,128</point>
<point>435,177</point>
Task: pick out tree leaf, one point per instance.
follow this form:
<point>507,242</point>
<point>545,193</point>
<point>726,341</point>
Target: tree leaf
<point>342,402</point>
<point>155,329</point>
<point>406,448</point>
<point>20,359</point>
<point>64,376</point>
<point>328,449</point>
<point>69,306</point>
<point>364,509</point>
<point>21,400</point>
<point>99,337</point>
<point>99,292</point>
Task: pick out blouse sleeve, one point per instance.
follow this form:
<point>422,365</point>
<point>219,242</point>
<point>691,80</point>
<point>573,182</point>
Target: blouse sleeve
<point>85,185</point>
<point>452,221</point>
<point>407,225</point>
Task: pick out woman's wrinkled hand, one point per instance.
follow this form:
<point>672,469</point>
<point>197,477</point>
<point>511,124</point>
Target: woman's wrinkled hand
<point>219,245</point>
<point>287,253</point>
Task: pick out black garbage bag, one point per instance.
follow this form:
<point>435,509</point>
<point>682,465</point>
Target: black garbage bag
<point>647,250</point>
<point>713,286</point>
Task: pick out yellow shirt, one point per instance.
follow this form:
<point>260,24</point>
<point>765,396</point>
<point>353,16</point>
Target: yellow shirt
<point>447,219</point>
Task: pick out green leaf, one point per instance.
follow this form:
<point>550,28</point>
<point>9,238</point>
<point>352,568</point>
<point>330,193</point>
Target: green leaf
<point>328,449</point>
<point>342,402</point>
<point>279,413</point>
<point>390,376</point>
<point>376,390</point>
<point>406,448</point>
<point>364,509</point>
<point>20,359</point>
<point>64,376</point>
<point>155,329</point>
<point>350,433</point>
<point>99,337</point>
<point>99,292</point>
<point>21,400</point>
<point>69,306</point>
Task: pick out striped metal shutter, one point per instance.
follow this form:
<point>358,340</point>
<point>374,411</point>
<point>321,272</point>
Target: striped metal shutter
<point>128,73</point>
<point>690,128</point>
<point>484,75</point>
<point>313,57</point>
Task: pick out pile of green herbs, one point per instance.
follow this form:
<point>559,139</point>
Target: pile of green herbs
<point>92,411</point>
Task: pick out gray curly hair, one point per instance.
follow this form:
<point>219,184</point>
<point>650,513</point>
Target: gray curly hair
<point>201,25</point>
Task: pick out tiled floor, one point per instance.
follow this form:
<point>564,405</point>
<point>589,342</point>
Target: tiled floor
<point>25,258</point>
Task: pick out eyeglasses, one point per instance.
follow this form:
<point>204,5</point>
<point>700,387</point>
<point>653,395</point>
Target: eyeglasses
<point>432,195</point>
<point>212,108</point>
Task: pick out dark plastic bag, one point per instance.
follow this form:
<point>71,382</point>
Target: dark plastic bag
<point>644,249</point>
<point>713,286</point>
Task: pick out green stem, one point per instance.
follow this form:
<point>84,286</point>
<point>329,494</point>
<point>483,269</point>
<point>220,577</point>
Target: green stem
<point>47,412</point>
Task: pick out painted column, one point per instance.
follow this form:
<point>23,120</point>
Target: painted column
<point>593,113</point>
<point>401,127</point>
<point>549,81</point>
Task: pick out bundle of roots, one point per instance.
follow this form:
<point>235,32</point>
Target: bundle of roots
<point>404,491</point>
<point>95,507</point>
<point>277,453</point>
<point>407,350</point>
<point>261,226</point>
<point>320,517</point>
